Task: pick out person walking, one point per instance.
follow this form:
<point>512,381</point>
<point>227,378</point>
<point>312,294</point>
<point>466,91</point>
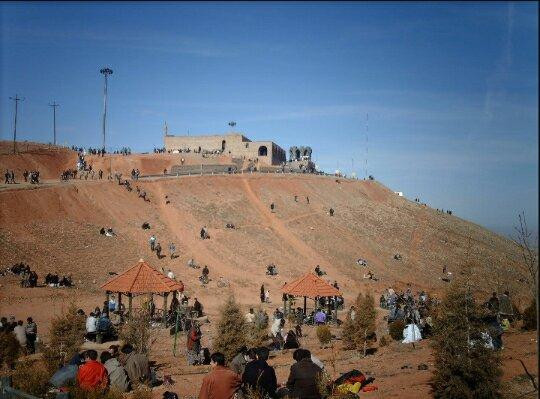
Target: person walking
<point>152,242</point>
<point>262,295</point>
<point>158,250</point>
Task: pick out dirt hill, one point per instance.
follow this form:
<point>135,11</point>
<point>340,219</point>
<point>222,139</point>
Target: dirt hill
<point>55,228</point>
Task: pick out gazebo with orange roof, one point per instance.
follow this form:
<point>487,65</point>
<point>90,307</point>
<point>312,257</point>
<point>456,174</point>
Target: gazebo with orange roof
<point>310,286</point>
<point>142,279</point>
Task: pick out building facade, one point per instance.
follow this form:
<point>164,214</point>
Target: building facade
<point>234,144</point>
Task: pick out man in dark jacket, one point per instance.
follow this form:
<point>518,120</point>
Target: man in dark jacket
<point>258,375</point>
<point>302,382</point>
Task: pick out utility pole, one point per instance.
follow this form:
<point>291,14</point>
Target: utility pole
<point>54,105</point>
<point>105,72</point>
<point>367,132</point>
<point>16,99</point>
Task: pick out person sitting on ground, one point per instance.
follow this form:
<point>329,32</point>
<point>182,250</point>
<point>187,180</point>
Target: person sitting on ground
<point>191,263</point>
<point>145,226</point>
<point>318,271</point>
<point>221,382</point>
<point>331,212</point>
<point>291,341</point>
<point>104,327</point>
<point>239,361</point>
<point>118,378</point>
<point>102,231</point>
<point>250,316</point>
<point>230,226</point>
<point>92,375</point>
<point>171,275</point>
<point>258,375</point>
<point>304,376</point>
<point>271,270</point>
<point>137,366</point>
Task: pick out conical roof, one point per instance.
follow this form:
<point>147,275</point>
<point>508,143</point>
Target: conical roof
<point>310,286</point>
<point>142,279</point>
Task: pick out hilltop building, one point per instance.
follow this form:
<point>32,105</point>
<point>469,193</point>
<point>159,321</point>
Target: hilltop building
<point>233,144</point>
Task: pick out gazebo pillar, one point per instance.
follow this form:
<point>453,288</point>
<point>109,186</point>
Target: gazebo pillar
<point>107,297</point>
<point>335,309</point>
<point>130,302</point>
<point>329,306</point>
<point>284,307</point>
<point>305,306</point>
<point>119,301</point>
<point>165,295</point>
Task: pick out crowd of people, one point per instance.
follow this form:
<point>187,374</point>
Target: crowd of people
<point>26,335</point>
<point>413,310</point>
<point>119,368</point>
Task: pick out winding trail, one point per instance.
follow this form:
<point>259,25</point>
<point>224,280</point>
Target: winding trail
<point>307,254</point>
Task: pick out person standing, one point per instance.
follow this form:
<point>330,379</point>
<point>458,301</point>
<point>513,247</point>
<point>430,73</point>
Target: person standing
<point>193,344</point>
<point>172,249</point>
<point>221,382</point>
<point>262,293</point>
<point>31,335</point>
<point>20,333</point>
<point>152,242</point>
<point>158,250</point>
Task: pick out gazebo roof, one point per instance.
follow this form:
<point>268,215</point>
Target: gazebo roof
<point>310,286</point>
<point>142,279</point>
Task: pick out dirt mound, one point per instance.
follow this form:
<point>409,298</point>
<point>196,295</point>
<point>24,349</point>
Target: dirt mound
<point>55,228</point>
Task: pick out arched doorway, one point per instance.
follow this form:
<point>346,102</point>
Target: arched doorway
<point>223,145</point>
<point>263,151</point>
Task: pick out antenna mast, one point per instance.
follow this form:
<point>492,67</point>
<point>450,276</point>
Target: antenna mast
<point>367,132</point>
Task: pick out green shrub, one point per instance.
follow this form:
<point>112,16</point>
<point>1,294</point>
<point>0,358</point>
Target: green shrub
<point>31,376</point>
<point>360,332</point>
<point>396,329</point>
<point>324,335</point>
<point>137,331</point>
<point>10,349</point>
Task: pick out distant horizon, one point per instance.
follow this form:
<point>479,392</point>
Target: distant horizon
<point>438,100</point>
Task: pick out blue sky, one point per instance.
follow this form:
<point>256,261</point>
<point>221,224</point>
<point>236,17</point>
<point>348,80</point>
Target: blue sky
<point>451,89</point>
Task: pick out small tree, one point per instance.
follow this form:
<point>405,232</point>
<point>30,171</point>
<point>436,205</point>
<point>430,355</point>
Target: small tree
<point>137,331</point>
<point>231,330</point>
<point>464,366</point>
<point>66,336</point>
<point>360,332</point>
<point>257,332</point>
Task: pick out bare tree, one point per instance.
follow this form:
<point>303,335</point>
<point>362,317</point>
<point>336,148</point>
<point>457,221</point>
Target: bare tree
<point>529,253</point>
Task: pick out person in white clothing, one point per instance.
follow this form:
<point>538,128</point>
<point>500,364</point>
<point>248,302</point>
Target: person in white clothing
<point>20,333</point>
<point>91,327</point>
<point>267,296</point>
<point>170,274</point>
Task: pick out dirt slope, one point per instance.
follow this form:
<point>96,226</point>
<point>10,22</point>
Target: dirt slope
<point>55,228</point>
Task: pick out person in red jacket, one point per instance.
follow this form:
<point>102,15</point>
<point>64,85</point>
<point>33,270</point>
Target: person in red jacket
<point>92,375</point>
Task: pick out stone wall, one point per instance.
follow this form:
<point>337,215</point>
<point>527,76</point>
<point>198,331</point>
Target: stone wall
<point>235,145</point>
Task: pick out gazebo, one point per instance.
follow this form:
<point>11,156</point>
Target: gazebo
<point>311,286</point>
<point>142,279</point>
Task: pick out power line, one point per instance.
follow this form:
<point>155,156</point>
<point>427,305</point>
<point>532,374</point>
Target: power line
<point>54,105</point>
<point>16,99</point>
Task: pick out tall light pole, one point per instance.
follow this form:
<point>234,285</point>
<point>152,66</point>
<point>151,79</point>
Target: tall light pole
<point>54,105</point>
<point>16,99</point>
<point>106,72</point>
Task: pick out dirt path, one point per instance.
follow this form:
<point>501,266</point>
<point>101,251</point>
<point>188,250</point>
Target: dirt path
<point>308,254</point>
